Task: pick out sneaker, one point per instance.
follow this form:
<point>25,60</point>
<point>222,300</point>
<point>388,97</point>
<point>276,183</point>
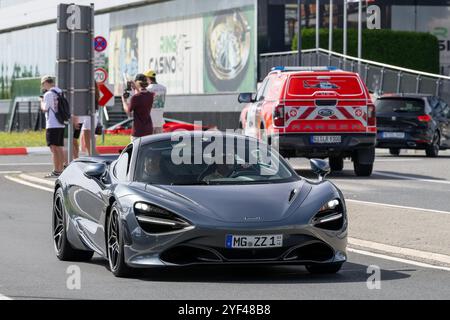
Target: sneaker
<point>52,175</point>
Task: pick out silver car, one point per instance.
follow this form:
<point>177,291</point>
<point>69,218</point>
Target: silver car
<point>169,202</point>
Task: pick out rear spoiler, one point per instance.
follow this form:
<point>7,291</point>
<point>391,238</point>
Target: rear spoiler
<point>107,159</point>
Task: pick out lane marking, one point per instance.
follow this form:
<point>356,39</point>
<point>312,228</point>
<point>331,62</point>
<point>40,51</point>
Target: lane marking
<point>401,260</point>
<point>394,160</point>
<point>25,164</point>
<point>3,297</point>
<point>405,177</point>
<point>37,180</point>
<point>10,172</point>
<point>29,184</point>
<point>396,206</point>
<point>431,256</point>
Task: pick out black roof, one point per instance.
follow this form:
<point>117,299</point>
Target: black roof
<point>406,95</point>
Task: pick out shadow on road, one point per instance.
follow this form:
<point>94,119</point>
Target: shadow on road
<point>350,175</point>
<point>350,273</point>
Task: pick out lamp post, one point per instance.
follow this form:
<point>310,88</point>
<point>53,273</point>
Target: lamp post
<point>299,38</point>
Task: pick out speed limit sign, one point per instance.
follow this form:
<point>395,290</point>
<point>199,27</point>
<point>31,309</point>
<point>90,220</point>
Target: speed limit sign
<point>101,75</point>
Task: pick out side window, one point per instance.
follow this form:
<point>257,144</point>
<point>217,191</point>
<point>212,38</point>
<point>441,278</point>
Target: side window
<point>262,88</point>
<point>445,110</point>
<point>122,166</point>
<point>434,103</point>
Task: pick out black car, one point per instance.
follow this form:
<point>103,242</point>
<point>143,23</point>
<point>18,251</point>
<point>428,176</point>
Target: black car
<point>413,121</point>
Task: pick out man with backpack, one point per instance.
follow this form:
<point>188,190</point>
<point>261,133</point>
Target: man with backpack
<point>57,112</point>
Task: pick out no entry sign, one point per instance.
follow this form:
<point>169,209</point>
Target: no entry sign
<point>100,44</point>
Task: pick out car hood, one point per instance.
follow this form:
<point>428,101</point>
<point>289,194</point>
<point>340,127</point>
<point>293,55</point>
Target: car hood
<point>243,203</point>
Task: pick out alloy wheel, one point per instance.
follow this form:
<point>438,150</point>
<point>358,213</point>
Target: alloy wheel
<point>113,241</point>
<point>58,223</point>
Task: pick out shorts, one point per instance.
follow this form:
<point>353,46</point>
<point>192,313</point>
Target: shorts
<point>86,122</point>
<point>158,130</point>
<point>76,133</point>
<point>55,137</point>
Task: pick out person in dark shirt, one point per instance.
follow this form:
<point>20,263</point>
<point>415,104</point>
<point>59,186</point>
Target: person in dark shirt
<point>141,105</point>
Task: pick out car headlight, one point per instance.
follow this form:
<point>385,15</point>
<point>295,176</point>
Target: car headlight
<point>154,219</point>
<point>330,216</point>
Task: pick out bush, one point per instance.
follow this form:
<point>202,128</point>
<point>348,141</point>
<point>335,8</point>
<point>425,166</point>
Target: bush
<point>413,50</point>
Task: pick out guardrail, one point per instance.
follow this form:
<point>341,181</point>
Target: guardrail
<point>26,114</point>
<point>380,78</point>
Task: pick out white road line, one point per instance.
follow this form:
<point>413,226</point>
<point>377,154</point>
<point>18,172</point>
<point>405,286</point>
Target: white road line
<point>405,177</point>
<point>18,164</point>
<point>431,256</point>
<point>29,184</point>
<point>3,297</point>
<point>394,160</point>
<point>406,261</point>
<point>37,180</point>
<point>10,172</point>
<point>396,206</point>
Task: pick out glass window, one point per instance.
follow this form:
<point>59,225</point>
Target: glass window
<point>403,105</point>
<point>122,166</point>
<point>175,163</point>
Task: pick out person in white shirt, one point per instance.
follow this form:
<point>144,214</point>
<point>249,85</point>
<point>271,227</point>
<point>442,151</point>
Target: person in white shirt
<point>54,129</point>
<point>159,101</point>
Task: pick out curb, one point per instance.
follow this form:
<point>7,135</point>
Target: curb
<point>46,151</point>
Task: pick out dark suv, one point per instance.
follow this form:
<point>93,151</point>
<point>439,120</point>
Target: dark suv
<point>413,121</point>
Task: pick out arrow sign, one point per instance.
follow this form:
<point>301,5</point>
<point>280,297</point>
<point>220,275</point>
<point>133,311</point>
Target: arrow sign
<point>106,95</point>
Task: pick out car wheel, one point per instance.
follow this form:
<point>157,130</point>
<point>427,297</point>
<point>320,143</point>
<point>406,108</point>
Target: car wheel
<point>63,249</point>
<point>433,149</point>
<point>394,151</point>
<point>115,248</point>
<point>336,163</point>
<point>363,170</point>
<point>327,268</point>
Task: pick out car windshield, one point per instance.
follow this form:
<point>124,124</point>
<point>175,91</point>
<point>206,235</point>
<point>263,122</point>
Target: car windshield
<point>205,162</point>
<point>400,106</point>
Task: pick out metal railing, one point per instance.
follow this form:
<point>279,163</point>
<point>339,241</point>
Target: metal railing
<point>380,78</point>
<point>26,115</point>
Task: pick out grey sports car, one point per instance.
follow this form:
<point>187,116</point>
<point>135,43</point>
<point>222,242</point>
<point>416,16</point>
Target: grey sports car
<point>166,202</point>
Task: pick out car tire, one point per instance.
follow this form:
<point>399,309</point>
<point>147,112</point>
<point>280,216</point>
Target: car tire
<point>394,151</point>
<point>432,150</point>
<point>63,249</point>
<point>336,164</point>
<point>363,170</point>
<point>115,245</point>
<point>328,268</point>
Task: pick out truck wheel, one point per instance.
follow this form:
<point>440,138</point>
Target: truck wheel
<point>336,163</point>
<point>363,170</point>
<point>394,151</point>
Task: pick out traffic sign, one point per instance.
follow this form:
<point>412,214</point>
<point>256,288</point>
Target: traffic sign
<point>100,44</point>
<point>101,75</point>
<point>106,95</point>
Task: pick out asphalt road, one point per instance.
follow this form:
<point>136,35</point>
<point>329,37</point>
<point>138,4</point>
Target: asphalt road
<point>29,269</point>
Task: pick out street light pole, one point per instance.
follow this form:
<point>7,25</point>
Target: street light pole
<point>360,29</point>
<point>317,24</point>
<point>330,32</point>
<point>344,29</point>
<point>299,37</point>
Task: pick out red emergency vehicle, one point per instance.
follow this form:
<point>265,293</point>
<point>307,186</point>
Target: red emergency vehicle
<point>314,112</point>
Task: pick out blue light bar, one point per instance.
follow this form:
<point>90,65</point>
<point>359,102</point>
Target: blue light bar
<point>310,69</point>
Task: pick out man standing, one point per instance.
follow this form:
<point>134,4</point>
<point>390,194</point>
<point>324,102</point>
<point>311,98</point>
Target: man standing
<point>54,129</point>
<point>159,101</point>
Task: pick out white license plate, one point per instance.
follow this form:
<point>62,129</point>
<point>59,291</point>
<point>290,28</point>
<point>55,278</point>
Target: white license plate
<point>262,241</point>
<point>326,139</point>
<point>394,135</point>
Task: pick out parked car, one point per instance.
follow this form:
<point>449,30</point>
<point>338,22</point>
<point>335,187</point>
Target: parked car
<point>314,112</point>
<point>413,121</point>
<point>171,125</point>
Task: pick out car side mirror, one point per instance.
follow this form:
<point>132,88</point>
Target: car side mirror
<point>320,167</point>
<point>95,171</point>
<point>246,97</point>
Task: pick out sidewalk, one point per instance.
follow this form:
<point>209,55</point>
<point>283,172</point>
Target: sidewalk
<point>45,150</point>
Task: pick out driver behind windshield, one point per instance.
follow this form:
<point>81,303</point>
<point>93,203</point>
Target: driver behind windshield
<point>155,170</point>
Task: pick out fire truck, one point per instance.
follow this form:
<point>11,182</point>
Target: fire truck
<point>314,112</point>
